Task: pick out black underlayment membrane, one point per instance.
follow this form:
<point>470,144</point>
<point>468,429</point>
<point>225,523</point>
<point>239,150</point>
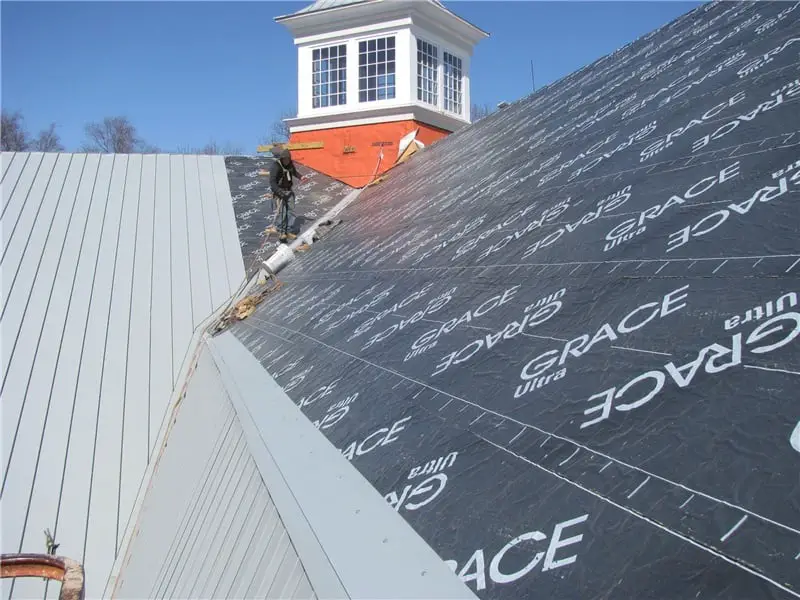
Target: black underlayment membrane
<point>563,342</point>
<point>252,203</point>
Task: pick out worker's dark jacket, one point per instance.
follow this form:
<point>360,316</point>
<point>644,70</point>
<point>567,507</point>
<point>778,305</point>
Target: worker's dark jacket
<point>282,178</point>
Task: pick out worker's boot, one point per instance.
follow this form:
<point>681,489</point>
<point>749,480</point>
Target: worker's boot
<point>271,229</point>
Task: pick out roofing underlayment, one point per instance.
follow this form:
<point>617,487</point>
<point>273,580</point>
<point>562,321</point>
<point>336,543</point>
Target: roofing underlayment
<point>563,341</point>
<point>252,203</point>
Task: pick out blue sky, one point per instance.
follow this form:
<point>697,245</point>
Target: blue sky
<point>187,72</point>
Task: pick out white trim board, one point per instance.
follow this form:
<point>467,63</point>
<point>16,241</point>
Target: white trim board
<point>347,537</point>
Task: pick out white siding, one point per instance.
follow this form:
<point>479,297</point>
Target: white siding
<point>109,263</point>
<point>208,526</point>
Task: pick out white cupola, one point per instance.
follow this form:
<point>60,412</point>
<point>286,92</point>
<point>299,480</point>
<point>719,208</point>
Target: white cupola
<point>368,61</point>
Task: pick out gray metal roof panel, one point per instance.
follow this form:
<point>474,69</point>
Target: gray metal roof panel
<point>110,262</point>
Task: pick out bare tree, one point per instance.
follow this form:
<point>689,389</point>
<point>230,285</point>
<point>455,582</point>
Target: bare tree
<point>115,135</point>
<point>13,134</point>
<point>214,148</point>
<point>16,139</point>
<point>48,140</point>
<point>480,111</point>
<point>279,132</point>
<point>211,147</point>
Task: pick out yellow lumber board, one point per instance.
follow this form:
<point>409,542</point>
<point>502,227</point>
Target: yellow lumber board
<point>294,146</point>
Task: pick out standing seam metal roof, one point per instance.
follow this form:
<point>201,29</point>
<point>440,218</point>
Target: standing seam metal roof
<point>109,264</point>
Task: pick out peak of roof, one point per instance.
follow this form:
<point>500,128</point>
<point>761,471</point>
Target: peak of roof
<point>321,5</point>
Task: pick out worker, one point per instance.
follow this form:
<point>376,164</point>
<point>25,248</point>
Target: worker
<point>282,174</point>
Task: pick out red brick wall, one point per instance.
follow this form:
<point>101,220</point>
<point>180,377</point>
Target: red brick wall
<point>356,168</point>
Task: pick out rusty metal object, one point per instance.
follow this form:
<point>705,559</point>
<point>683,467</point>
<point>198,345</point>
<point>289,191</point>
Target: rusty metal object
<point>69,572</point>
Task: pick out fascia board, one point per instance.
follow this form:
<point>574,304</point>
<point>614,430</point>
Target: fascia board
<point>442,40</point>
<point>404,112</point>
<point>314,123</point>
<point>450,22</point>
<point>354,32</point>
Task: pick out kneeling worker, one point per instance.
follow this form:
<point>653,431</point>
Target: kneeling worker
<point>281,179</point>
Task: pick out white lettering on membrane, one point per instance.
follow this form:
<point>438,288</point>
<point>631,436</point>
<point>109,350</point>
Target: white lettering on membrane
<point>772,334</point>
<point>787,169</point>
<point>434,305</point>
<point>633,227</point>
<point>353,313</point>
<point>759,312</point>
<point>297,379</point>
<point>429,339</point>
<point>758,62</point>
<point>335,413</point>
<point>789,90</point>
<point>534,314</point>
<point>662,143</point>
<point>549,214</point>
<point>686,87</point>
<point>319,394</point>
<point>434,466</point>
<point>475,567</point>
<point>638,135</point>
<point>468,228</point>
<point>633,321</point>
<point>415,496</point>
<point>711,222</point>
<point>770,23</point>
<point>381,437</point>
<point>605,206</point>
<point>366,325</point>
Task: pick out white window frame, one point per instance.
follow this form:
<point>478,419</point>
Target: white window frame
<point>321,101</point>
<point>386,61</point>
<point>429,94</point>
<point>449,102</point>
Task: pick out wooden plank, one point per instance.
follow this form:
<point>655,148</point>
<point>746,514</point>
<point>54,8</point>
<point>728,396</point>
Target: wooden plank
<point>293,146</point>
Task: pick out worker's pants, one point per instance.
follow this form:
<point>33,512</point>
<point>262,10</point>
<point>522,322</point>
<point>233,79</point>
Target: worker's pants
<point>287,225</point>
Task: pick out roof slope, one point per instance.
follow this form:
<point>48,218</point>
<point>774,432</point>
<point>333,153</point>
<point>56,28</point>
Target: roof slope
<point>252,203</point>
<point>210,527</point>
<point>109,264</point>
<point>571,364</point>
<point>319,5</point>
